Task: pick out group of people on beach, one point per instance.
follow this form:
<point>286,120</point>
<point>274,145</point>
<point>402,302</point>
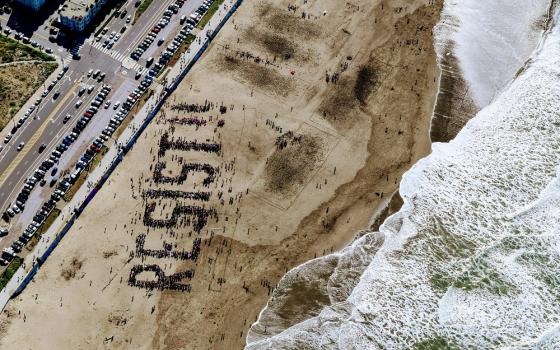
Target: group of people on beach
<point>180,216</point>
<point>163,281</point>
<point>185,170</point>
<point>167,251</point>
<point>192,107</point>
<point>173,208</point>
<point>181,144</point>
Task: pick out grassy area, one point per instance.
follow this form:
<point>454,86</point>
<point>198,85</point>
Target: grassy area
<point>137,107</point>
<point>83,176</point>
<point>75,187</point>
<point>141,9</point>
<point>211,11</point>
<point>16,88</point>
<point>10,271</point>
<point>13,51</point>
<point>32,243</point>
<point>184,47</point>
<point>98,157</point>
<point>50,219</point>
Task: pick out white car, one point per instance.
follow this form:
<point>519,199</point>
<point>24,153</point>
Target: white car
<point>116,105</point>
<point>20,146</point>
<point>79,103</point>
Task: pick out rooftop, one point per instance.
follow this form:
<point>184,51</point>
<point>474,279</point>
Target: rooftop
<point>77,8</point>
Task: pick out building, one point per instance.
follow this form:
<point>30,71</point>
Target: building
<point>78,14</point>
<point>32,4</point>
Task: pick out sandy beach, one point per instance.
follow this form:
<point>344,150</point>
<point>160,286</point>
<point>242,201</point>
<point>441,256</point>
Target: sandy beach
<point>281,144</point>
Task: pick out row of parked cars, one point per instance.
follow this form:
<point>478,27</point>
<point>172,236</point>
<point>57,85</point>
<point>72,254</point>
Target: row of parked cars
<point>39,176</point>
<point>181,36</point>
<point>26,40</point>
<point>32,108</point>
<point>39,219</point>
<point>151,36</point>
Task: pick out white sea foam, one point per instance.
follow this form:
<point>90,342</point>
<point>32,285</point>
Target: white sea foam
<point>472,260</point>
<point>492,40</point>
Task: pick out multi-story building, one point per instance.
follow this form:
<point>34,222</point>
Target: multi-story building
<point>78,14</point>
<point>32,4</point>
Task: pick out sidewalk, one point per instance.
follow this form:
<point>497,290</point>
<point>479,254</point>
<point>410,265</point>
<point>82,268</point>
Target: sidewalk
<point>116,152</point>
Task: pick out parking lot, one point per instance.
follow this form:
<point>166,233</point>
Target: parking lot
<point>77,117</point>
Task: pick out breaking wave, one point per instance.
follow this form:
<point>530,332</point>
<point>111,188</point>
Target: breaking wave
<point>472,260</point>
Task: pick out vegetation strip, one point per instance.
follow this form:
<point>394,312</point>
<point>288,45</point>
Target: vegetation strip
<point>10,271</point>
<point>182,49</point>
<point>141,9</point>
<point>13,51</point>
<point>50,219</point>
<point>211,10</point>
<point>17,88</point>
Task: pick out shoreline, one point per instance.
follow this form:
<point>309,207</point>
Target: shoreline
<point>448,119</point>
<point>239,265</point>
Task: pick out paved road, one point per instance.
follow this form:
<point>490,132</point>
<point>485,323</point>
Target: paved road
<point>45,125</point>
<point>139,119</point>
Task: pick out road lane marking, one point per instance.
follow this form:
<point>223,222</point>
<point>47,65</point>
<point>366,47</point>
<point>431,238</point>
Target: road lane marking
<point>65,129</point>
<point>155,17</point>
<point>27,148</point>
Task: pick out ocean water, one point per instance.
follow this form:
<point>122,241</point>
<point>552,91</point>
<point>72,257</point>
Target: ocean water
<point>471,261</point>
<point>492,40</point>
